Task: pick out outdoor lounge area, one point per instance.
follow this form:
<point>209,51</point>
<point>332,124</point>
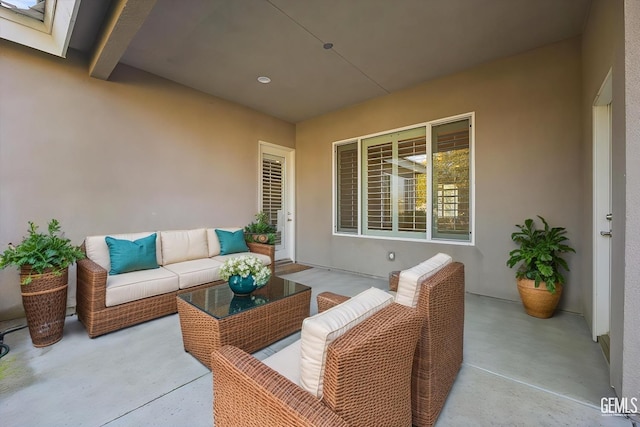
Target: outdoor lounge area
<point>357,156</point>
<point>141,376</point>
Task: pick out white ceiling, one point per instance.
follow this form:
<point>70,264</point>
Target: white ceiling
<point>380,46</point>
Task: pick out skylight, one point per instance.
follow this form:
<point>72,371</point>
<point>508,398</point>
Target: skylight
<point>31,8</point>
<point>45,25</point>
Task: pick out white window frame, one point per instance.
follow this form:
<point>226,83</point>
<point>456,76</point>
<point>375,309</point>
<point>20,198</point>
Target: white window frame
<point>51,36</point>
<point>428,235</point>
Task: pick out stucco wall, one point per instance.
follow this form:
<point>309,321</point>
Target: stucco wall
<point>631,351</point>
<point>598,40</point>
<point>132,154</point>
<point>528,162</point>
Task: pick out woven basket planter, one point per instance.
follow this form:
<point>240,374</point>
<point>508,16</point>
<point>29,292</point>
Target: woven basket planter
<point>45,305</point>
<point>538,302</point>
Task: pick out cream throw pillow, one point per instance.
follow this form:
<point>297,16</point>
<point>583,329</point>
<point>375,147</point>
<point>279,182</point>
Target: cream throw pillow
<point>408,289</point>
<point>322,329</point>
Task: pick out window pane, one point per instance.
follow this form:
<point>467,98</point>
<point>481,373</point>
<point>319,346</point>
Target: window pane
<point>395,192</point>
<point>451,189</point>
<point>347,191</point>
<point>412,184</point>
<point>379,171</point>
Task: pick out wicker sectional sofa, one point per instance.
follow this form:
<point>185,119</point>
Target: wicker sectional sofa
<point>187,260</point>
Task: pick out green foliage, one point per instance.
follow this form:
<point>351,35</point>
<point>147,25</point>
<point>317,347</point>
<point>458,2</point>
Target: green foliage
<point>261,225</point>
<point>42,251</point>
<point>539,253</point>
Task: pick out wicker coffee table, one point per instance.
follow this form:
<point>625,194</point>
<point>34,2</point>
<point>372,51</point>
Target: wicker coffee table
<point>214,316</point>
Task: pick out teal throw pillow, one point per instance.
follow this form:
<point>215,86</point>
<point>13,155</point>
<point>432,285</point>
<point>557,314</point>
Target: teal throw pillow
<point>127,256</point>
<point>231,242</point>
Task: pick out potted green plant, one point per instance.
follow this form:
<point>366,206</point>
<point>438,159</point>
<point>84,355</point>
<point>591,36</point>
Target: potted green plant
<point>260,230</point>
<point>245,274</point>
<point>540,263</point>
<point>43,260</point>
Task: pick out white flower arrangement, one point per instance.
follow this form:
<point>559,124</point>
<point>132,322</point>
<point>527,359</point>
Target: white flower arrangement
<point>243,266</point>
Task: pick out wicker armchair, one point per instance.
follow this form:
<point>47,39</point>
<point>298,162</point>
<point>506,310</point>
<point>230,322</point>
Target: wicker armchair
<point>367,380</point>
<point>438,356</point>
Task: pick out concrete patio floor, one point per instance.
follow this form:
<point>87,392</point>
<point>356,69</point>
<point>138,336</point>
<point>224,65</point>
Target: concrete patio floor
<point>517,371</point>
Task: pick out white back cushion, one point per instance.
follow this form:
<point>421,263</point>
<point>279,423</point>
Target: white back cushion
<point>322,329</point>
<point>183,245</point>
<point>409,280</point>
<point>98,251</point>
<point>214,242</point>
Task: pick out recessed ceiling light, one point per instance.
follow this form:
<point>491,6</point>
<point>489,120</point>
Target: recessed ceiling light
<point>327,46</point>
<point>264,79</point>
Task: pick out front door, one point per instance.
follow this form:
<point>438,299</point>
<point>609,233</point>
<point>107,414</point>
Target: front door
<point>277,193</point>
<point>602,215</point>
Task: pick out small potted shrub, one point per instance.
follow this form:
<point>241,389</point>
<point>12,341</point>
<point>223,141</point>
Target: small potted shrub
<point>260,230</point>
<point>539,274</point>
<point>43,260</point>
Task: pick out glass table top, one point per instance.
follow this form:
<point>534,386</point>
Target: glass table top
<point>220,302</point>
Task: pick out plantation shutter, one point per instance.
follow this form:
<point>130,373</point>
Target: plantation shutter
<point>412,177</point>
<point>394,188</point>
<point>272,191</point>
<point>379,169</point>
<point>347,191</point>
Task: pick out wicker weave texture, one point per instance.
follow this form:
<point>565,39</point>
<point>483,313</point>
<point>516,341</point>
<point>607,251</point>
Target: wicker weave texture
<point>249,330</point>
<point>367,378</point>
<point>247,393</point>
<point>99,319</point>
<point>438,356</point>
<point>326,300</point>
<point>45,303</point>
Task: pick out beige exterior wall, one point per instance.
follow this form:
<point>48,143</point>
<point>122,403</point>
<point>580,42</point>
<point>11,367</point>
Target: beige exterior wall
<point>132,154</point>
<point>631,297</point>
<point>601,43</point>
<point>527,137</point>
<point>611,40</point>
<point>597,60</point>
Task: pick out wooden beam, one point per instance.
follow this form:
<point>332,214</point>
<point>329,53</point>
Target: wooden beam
<point>120,26</point>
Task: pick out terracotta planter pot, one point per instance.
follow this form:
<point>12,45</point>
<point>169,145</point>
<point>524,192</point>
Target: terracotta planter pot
<point>538,302</point>
<point>45,305</point>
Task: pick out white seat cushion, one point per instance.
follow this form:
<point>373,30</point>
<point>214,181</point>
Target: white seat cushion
<point>183,245</point>
<point>136,285</point>
<point>98,251</point>
<point>286,362</point>
<point>409,280</point>
<point>196,272</point>
<point>266,260</point>
<point>322,329</point>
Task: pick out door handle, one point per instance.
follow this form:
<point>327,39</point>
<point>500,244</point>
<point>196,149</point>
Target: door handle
<point>605,233</point>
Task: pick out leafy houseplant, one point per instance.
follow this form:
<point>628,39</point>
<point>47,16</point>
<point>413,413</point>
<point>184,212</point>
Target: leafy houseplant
<point>260,230</point>
<point>40,252</point>
<point>43,260</point>
<point>540,261</point>
<point>245,274</point>
<point>539,253</point>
